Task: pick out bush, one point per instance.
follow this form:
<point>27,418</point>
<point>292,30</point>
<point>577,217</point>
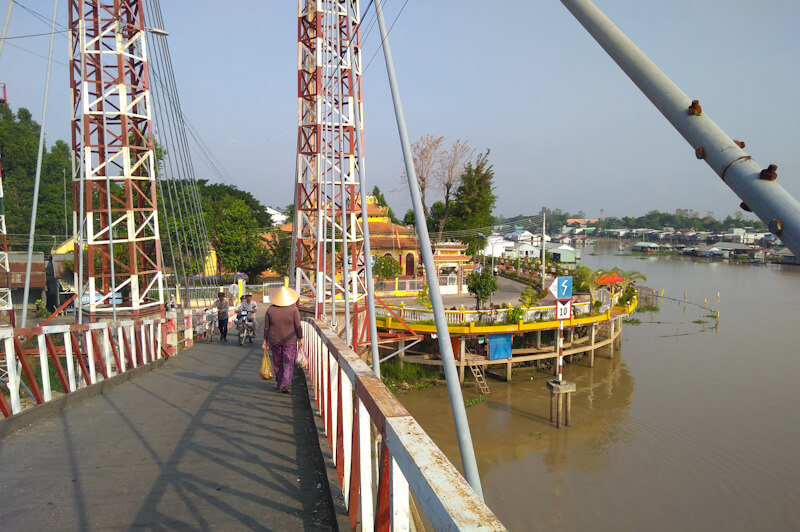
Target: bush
<point>515,314</point>
<point>386,267</point>
<point>41,310</point>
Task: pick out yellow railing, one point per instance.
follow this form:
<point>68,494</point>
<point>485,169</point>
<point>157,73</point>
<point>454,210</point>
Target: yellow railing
<point>465,321</point>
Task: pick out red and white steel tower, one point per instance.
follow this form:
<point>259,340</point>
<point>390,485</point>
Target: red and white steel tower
<point>328,237</point>
<point>115,221</point>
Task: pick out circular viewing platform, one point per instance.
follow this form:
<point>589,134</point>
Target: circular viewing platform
<point>483,338</point>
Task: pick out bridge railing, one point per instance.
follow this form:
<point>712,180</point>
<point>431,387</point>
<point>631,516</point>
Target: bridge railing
<point>32,357</point>
<point>354,405</point>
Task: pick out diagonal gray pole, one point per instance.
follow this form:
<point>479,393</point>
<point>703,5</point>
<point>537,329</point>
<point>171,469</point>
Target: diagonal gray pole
<point>759,190</point>
<point>27,290</point>
<point>362,180</point>
<point>445,347</point>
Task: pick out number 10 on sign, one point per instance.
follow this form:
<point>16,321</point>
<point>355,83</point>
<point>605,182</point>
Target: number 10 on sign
<point>563,309</point>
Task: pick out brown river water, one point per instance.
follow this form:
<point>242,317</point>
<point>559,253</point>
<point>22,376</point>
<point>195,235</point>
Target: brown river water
<point>689,426</point>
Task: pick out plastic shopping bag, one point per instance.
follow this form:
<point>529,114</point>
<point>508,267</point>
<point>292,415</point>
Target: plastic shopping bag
<point>266,366</point>
<point>302,360</point>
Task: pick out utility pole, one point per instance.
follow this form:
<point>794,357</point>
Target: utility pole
<point>544,215</point>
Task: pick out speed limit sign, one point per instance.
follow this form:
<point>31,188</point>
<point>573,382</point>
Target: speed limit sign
<point>563,309</point>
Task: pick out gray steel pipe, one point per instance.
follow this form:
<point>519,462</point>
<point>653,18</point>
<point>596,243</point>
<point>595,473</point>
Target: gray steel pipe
<point>445,347</point>
<point>759,191</point>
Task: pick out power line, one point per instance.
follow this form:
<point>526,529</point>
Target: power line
<point>387,36</point>
<point>32,35</point>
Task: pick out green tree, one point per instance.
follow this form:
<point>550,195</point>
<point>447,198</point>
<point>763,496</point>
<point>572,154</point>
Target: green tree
<point>424,296</point>
<point>529,296</point>
<point>386,267</point>
<point>237,239</point>
<point>586,280</point>
<point>409,218</point>
<point>381,200</point>
<point>629,277</point>
<point>279,250</point>
<point>474,199</point>
<point>482,285</point>
<point>19,142</point>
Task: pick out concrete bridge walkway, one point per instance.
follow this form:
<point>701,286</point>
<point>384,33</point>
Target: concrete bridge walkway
<point>201,442</point>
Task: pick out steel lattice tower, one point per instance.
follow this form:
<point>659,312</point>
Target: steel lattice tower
<point>6,306</point>
<point>327,222</point>
<point>115,219</point>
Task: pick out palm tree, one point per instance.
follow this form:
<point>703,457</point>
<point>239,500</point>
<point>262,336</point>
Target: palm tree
<point>629,277</point>
<point>590,277</point>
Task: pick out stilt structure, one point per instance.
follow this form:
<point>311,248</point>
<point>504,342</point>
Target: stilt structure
<point>115,221</point>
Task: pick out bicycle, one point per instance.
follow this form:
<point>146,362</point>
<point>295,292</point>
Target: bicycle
<point>209,325</point>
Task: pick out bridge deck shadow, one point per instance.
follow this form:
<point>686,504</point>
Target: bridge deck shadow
<point>200,443</point>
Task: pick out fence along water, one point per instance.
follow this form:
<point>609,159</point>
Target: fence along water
<point>357,412</point>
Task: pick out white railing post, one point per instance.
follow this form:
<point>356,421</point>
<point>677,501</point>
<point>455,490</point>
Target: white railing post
<point>334,405</point>
<point>70,360</point>
<point>47,391</point>
<point>398,497</point>
<point>90,354</point>
<point>106,347</point>
<point>120,347</point>
<point>159,338</point>
<point>365,504</point>
<point>13,377</point>
<point>131,344</point>
<point>347,433</point>
<point>142,341</point>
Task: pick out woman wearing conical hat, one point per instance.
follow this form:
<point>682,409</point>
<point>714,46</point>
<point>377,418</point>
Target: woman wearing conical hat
<point>283,334</point>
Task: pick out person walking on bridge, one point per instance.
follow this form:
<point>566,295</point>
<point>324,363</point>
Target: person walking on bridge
<point>283,334</point>
<point>222,307</point>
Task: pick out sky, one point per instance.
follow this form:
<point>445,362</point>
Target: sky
<point>564,125</point>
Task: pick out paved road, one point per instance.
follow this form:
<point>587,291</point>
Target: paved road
<point>201,443</point>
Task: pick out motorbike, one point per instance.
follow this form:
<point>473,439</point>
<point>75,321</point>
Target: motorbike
<point>244,325</point>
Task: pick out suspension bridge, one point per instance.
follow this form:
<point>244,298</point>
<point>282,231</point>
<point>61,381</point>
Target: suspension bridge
<point>127,418</point>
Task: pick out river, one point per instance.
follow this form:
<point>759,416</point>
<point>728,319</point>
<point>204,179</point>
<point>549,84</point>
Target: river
<point>689,426</point>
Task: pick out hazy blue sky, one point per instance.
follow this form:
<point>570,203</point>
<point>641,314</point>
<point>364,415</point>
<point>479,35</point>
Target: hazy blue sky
<point>566,128</point>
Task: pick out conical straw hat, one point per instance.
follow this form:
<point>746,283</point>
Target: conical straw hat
<point>283,297</point>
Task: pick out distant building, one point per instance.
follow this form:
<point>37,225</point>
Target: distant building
<point>581,221</point>
<point>563,253</point>
<point>278,217</point>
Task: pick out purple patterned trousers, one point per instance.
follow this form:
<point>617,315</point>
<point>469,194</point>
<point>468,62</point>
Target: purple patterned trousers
<point>283,357</point>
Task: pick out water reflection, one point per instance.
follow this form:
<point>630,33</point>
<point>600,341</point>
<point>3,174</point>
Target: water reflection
<point>514,420</point>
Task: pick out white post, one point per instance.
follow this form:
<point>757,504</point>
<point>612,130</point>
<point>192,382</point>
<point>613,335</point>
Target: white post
<point>158,339</point>
<point>123,367</point>
<point>106,331</point>
<point>334,404</point>
<point>68,355</point>
<point>46,388</point>
<point>13,378</point>
<point>347,431</point>
<point>560,349</point>
<point>90,353</point>
<point>543,240</point>
<point>132,344</point>
<point>365,469</point>
<point>398,498</point>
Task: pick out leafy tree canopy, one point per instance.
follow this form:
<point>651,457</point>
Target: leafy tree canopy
<point>482,285</point>
<point>474,198</point>
<point>19,145</point>
<point>386,267</point>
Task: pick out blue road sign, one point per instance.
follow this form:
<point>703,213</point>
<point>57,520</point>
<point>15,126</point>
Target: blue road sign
<point>562,287</point>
